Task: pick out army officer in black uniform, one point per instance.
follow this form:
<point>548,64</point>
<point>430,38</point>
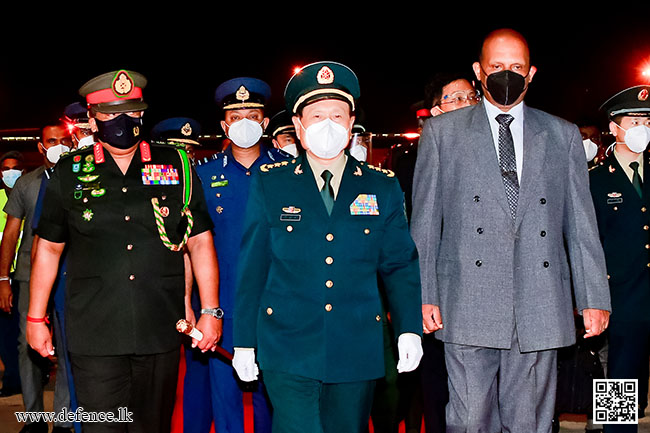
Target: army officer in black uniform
<point>622,201</point>
<point>125,210</point>
<point>318,230</point>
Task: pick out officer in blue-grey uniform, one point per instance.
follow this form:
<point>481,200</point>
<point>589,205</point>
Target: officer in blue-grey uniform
<point>318,230</point>
<point>226,180</point>
<point>622,202</point>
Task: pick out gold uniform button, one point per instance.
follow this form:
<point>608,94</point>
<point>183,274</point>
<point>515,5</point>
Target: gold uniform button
<point>218,194</point>
<point>329,260</point>
<point>643,209</point>
<point>269,311</point>
<point>647,246</point>
<point>127,218</point>
<point>649,265</point>
<point>366,231</point>
<point>615,208</point>
<point>124,189</point>
<point>378,318</point>
<point>329,284</point>
<point>645,227</point>
<point>131,277</point>
<point>129,247</point>
<point>289,229</point>
<point>608,277</point>
<point>328,307</point>
<point>329,237</point>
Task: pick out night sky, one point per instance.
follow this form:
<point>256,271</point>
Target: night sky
<point>581,59</point>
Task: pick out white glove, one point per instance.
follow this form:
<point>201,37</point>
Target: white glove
<point>409,347</point>
<point>243,361</point>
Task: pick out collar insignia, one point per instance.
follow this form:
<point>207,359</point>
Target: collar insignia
<point>611,169</point>
<point>298,169</point>
<point>358,172</point>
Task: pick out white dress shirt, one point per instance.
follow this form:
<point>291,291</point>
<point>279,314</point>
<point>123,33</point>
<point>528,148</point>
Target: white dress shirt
<point>516,128</point>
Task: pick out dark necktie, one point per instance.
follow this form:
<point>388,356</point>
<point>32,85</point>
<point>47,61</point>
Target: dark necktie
<point>637,183</point>
<point>507,161</point>
<point>327,192</point>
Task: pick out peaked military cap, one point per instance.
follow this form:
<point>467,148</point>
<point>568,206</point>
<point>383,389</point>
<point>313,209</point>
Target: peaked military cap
<point>321,80</point>
<point>242,92</point>
<point>115,92</point>
<point>633,101</point>
<point>177,130</point>
<point>281,124</point>
<point>77,114</point>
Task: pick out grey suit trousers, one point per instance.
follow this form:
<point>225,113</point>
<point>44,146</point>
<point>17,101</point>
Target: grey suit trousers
<point>500,390</point>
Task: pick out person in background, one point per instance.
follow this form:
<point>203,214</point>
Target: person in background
<point>12,165</point>
<point>55,140</point>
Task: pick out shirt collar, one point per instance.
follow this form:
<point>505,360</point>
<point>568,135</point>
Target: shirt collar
<point>493,111</point>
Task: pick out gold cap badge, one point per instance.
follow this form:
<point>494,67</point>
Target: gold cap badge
<point>325,76</point>
<point>643,95</point>
<point>186,129</point>
<point>122,84</point>
<point>242,94</point>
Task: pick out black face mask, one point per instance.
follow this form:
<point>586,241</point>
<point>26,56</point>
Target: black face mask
<point>505,87</point>
<point>122,132</point>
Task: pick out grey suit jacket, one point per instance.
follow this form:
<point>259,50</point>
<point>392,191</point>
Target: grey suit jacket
<point>487,272</point>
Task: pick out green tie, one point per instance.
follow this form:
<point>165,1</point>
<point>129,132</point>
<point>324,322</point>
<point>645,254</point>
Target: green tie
<point>327,192</point>
<point>636,178</point>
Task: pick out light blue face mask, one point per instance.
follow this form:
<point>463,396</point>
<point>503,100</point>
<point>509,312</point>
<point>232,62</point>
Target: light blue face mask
<point>9,177</point>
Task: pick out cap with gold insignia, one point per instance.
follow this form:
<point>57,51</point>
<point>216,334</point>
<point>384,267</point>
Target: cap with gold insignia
<point>321,80</point>
<point>242,93</point>
<point>281,124</point>
<point>177,130</point>
<point>115,92</point>
<point>76,114</point>
<point>634,101</point>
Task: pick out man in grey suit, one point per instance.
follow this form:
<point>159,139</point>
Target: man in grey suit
<point>504,224</point>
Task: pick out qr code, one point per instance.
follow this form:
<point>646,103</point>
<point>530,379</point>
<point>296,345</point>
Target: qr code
<point>615,401</point>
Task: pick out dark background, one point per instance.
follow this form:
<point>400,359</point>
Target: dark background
<point>185,51</point>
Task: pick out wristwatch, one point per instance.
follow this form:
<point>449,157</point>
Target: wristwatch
<point>214,312</point>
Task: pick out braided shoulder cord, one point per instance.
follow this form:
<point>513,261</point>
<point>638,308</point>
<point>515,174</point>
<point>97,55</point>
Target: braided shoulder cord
<point>185,211</point>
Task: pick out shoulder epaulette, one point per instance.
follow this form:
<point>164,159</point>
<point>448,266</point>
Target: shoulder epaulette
<point>285,163</point>
<point>371,168</point>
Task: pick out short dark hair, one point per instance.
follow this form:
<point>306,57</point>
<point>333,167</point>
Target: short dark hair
<point>57,123</point>
<point>12,154</point>
<point>433,89</point>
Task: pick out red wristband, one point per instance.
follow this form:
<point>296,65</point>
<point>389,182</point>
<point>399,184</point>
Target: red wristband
<point>35,320</point>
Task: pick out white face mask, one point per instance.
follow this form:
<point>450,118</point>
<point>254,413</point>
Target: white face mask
<point>9,177</point>
<point>591,149</point>
<point>291,149</point>
<point>54,153</point>
<point>636,138</point>
<point>85,142</point>
<point>326,139</point>
<point>359,151</point>
<point>245,133</point>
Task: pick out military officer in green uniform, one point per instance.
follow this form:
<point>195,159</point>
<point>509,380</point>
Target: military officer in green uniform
<point>125,210</point>
<point>318,230</point>
<point>621,197</point>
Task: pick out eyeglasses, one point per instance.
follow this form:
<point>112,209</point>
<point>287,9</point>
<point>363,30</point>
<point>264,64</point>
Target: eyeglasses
<point>461,98</point>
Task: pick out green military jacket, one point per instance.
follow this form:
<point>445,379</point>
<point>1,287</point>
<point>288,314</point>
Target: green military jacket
<point>307,295</point>
<point>124,288</point>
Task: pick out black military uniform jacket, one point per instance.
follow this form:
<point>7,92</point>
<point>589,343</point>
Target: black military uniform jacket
<point>125,288</point>
<point>624,223</point>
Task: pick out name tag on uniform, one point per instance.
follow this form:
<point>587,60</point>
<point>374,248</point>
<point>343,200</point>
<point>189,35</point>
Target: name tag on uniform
<point>159,174</point>
<point>365,204</point>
